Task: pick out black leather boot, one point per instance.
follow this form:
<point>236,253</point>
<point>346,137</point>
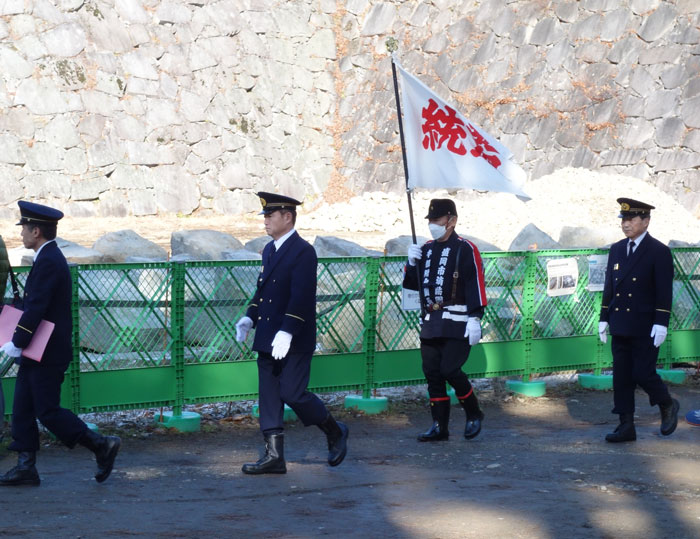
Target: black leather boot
<point>337,434</point>
<point>105,449</point>
<point>273,459</point>
<point>624,432</point>
<point>440,410</point>
<point>669,416</point>
<point>474,416</point>
<point>24,473</point>
<point>473,426</point>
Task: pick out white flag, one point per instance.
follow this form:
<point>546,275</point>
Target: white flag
<point>445,150</point>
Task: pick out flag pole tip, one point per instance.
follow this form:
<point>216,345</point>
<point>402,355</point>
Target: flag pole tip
<point>392,44</point>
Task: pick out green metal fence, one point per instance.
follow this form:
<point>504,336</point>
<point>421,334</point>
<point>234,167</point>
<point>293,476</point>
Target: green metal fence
<point>162,334</point>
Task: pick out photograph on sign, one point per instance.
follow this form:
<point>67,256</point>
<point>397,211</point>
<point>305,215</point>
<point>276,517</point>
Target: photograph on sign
<point>562,276</point>
<point>596,272</point>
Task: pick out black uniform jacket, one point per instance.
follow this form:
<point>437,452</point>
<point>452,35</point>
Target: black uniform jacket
<point>448,307</point>
<point>285,299</point>
<point>639,289</point>
<point>47,296</point>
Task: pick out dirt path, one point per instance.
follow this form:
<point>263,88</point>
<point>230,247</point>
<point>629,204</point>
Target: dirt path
<point>540,470</point>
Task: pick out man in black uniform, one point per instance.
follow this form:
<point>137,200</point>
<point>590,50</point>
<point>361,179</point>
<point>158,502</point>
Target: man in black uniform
<point>283,313</point>
<point>47,296</point>
<point>452,281</point>
<point>636,308</point>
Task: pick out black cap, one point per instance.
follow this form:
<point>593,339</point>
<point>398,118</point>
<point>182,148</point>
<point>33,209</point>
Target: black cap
<point>440,207</point>
<point>630,207</point>
<point>33,213</point>
<point>273,202</point>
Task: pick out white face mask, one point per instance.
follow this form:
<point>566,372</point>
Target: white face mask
<point>437,231</point>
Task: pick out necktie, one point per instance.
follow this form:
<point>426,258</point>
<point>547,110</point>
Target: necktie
<point>273,250</point>
<point>630,249</point>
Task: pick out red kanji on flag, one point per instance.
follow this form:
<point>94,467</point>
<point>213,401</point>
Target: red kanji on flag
<point>444,125</point>
<point>482,146</point>
<point>440,126</point>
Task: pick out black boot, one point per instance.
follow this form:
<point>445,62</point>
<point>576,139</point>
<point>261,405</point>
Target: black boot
<point>440,410</point>
<point>337,434</point>
<point>24,473</point>
<point>474,416</point>
<point>669,416</point>
<point>273,459</point>
<point>624,432</point>
<point>105,449</point>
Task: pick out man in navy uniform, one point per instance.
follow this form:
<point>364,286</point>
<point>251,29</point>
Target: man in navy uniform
<point>451,277</point>
<point>47,296</point>
<point>636,308</point>
<point>283,313</point>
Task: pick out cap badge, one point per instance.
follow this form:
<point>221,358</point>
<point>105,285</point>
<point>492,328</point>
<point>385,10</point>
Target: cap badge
<point>624,206</point>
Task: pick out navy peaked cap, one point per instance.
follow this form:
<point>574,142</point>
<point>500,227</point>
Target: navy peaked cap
<point>441,206</point>
<point>630,207</point>
<point>272,202</point>
<point>33,213</point>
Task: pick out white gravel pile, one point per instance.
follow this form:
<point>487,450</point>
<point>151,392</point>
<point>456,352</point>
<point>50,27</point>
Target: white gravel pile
<point>571,197</point>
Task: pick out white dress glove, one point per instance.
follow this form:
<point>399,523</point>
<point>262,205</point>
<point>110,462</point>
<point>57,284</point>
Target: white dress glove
<point>243,326</point>
<point>415,253</point>
<point>473,330</point>
<point>659,334</point>
<point>602,329</point>
<point>10,349</point>
<point>280,344</point>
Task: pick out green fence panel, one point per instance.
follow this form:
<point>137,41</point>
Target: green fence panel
<point>163,334</point>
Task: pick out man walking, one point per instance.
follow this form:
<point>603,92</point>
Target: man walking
<point>47,296</point>
<point>636,308</point>
<point>452,279</point>
<point>283,313</point>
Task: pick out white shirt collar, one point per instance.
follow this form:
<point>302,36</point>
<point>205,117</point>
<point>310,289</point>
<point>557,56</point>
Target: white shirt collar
<point>280,241</point>
<point>638,239</point>
<point>40,248</point>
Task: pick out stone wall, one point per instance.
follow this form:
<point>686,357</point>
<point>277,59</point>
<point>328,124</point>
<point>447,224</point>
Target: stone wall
<point>139,107</point>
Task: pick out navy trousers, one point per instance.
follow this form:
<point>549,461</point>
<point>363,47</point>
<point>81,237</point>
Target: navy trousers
<point>634,364</point>
<point>285,381</point>
<point>37,396</point>
<point>442,362</point>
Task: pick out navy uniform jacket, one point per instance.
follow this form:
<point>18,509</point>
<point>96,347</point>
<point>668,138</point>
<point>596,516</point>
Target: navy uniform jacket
<point>47,296</point>
<point>639,289</point>
<point>285,299</point>
<point>447,316</point>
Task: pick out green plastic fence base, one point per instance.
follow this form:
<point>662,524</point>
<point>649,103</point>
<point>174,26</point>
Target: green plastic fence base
<point>372,405</point>
<point>595,381</point>
<point>187,422</point>
<point>671,375</point>
<point>529,389</point>
<point>288,417</point>
<point>450,393</point>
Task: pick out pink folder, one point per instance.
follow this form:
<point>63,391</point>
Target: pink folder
<point>9,317</point>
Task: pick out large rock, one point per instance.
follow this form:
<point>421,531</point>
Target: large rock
<point>399,246</point>
<point>330,246</point>
<point>77,254</point>
<point>579,237</point>
<point>257,245</point>
<point>532,238</point>
<point>203,244</point>
<point>118,246</point>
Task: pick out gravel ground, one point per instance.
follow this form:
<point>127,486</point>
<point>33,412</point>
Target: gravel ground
<point>540,469</point>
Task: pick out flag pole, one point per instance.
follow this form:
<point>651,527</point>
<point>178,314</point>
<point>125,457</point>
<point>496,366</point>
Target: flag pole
<point>392,46</point>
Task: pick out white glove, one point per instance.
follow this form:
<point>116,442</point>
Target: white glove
<point>280,344</point>
<point>415,253</point>
<point>659,334</point>
<point>473,330</point>
<point>10,349</point>
<point>602,328</point>
<point>243,326</point>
